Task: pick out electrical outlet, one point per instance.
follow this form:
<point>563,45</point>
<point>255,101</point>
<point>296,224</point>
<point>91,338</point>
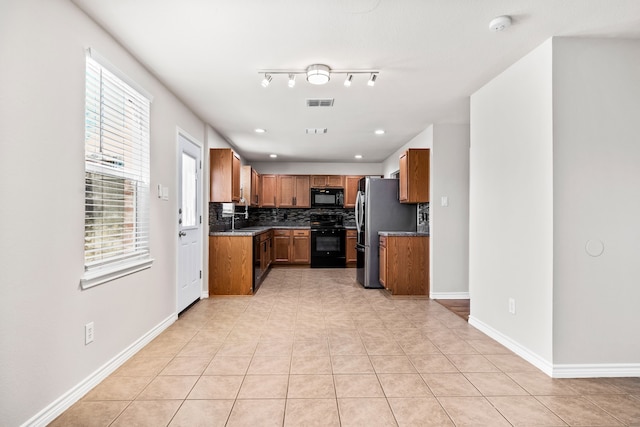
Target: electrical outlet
<point>88,333</point>
<point>512,306</point>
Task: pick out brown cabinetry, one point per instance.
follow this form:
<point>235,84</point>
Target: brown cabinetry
<point>301,247</point>
<point>250,181</point>
<point>230,265</point>
<point>352,239</point>
<point>225,175</point>
<point>268,190</point>
<point>323,181</point>
<point>382,251</point>
<point>292,246</point>
<point>414,176</point>
<point>404,264</point>
<point>293,191</point>
<point>350,190</point>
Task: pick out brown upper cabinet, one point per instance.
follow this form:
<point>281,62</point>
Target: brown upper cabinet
<point>323,181</point>
<point>293,191</point>
<point>414,176</point>
<point>350,190</point>
<point>267,193</point>
<point>225,175</point>
<point>250,185</point>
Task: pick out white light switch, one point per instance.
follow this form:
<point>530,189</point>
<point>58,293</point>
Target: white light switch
<point>159,191</point>
<point>165,193</point>
<point>444,201</point>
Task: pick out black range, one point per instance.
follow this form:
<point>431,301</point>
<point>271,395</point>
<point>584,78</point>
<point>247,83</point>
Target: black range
<point>328,237</point>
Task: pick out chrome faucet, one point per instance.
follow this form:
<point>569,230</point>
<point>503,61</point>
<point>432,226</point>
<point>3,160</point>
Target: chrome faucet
<point>245,213</point>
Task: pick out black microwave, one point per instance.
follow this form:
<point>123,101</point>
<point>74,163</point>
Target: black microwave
<point>327,197</point>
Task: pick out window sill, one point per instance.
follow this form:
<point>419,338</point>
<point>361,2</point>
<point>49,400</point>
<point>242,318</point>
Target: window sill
<point>103,275</point>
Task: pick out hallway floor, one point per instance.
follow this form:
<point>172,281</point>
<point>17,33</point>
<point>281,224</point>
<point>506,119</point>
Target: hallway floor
<point>313,348</point>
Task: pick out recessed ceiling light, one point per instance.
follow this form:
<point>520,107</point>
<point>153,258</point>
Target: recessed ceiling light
<point>379,132</point>
<point>260,130</point>
<point>358,156</point>
<point>273,156</point>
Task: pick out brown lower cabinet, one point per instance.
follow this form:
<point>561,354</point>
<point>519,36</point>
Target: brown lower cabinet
<point>404,264</point>
<point>292,246</point>
<point>351,241</point>
<point>230,265</point>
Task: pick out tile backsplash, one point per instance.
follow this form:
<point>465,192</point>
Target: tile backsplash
<point>292,217</point>
<point>423,217</point>
<point>272,216</point>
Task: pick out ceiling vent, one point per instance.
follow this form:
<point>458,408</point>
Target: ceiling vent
<point>320,102</point>
<point>316,131</point>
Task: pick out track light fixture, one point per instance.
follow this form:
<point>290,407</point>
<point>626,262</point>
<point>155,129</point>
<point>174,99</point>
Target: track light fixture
<point>266,80</point>
<point>318,74</point>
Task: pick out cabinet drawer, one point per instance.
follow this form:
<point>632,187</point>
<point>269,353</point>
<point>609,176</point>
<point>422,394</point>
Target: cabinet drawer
<point>282,233</point>
<point>300,232</point>
<point>352,233</point>
<point>383,241</point>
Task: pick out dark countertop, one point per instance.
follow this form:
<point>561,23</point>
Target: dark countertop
<point>254,231</point>
<point>403,234</point>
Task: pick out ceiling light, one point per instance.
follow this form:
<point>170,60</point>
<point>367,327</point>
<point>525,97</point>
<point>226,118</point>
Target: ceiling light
<point>273,156</point>
<point>358,156</point>
<point>499,23</point>
<point>379,132</point>
<point>318,74</point>
<point>260,130</point>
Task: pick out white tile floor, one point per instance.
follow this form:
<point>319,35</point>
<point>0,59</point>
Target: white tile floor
<point>313,348</point>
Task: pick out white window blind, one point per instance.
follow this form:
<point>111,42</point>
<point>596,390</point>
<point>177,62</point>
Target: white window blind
<point>116,173</point>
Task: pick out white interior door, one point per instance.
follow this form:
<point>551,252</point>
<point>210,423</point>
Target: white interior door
<point>189,223</point>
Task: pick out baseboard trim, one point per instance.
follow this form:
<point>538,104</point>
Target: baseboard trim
<point>596,370</point>
<point>204,294</point>
<point>449,295</point>
<point>531,357</point>
<point>65,401</point>
<point>584,370</point>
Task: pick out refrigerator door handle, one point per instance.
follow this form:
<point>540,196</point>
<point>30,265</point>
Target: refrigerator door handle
<point>358,195</point>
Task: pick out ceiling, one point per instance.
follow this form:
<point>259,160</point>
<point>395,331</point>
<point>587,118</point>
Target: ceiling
<point>431,55</point>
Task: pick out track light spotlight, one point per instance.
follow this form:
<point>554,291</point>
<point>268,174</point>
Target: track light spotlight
<point>266,80</point>
<point>372,79</point>
<point>347,81</point>
<point>292,80</point>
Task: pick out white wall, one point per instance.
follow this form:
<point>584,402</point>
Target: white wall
<point>596,91</point>
<point>449,226</point>
<point>511,205</point>
<point>308,168</point>
<point>42,351</point>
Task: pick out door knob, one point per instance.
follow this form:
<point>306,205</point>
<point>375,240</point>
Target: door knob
<point>182,233</point>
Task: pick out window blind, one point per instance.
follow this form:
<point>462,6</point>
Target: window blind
<point>116,170</point>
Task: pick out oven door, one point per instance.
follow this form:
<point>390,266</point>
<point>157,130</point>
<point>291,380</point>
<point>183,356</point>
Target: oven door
<point>328,248</point>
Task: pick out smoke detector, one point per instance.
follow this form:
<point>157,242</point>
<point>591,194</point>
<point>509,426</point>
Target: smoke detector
<point>499,23</point>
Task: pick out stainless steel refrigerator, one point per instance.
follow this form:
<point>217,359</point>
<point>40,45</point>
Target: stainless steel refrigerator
<point>378,209</point>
